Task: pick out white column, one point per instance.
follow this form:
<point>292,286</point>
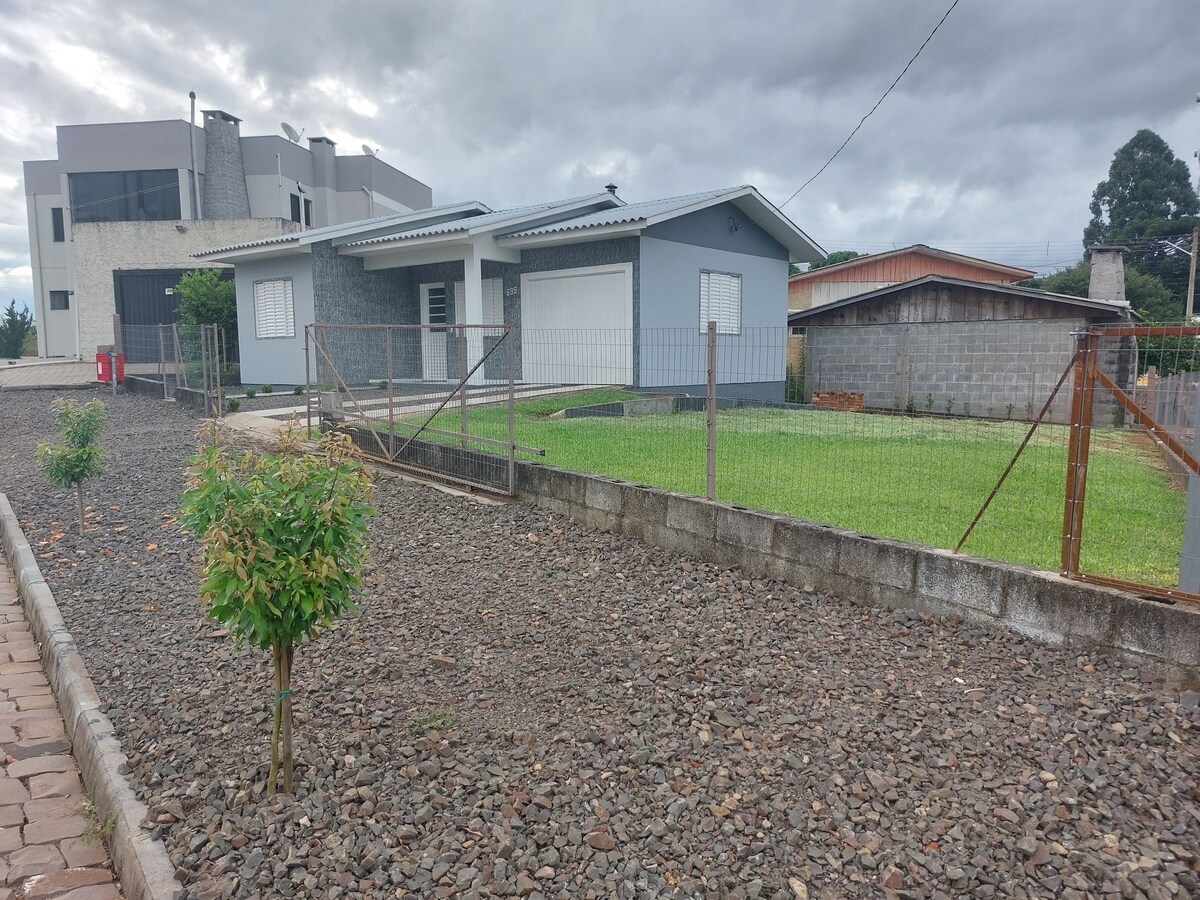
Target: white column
<point>472,313</point>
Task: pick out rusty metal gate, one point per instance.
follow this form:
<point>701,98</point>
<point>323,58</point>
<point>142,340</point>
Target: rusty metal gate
<point>434,399</point>
<point>1090,382</point>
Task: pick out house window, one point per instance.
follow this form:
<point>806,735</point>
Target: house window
<point>308,213</point>
<point>274,311</point>
<point>150,195</point>
<point>60,300</point>
<point>295,207</point>
<point>721,302</point>
<point>437,304</point>
<point>56,222</point>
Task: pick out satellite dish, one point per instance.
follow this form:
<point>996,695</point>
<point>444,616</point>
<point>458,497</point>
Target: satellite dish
<point>367,150</point>
<point>292,134</point>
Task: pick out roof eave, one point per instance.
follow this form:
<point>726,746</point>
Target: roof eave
<point>245,254</point>
<point>574,236</point>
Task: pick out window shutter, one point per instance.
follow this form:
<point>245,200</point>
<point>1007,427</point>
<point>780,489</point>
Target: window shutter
<point>274,311</point>
<point>721,302</point>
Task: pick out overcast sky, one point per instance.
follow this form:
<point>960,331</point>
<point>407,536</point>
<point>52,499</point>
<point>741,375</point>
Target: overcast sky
<point>991,144</point>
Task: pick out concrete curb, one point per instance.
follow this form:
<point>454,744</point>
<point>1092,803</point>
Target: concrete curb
<point>142,864</point>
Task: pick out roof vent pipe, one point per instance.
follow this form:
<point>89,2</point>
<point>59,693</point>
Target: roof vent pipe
<point>611,188</point>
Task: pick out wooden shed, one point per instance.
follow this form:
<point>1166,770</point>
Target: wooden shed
<point>863,274</point>
<point>952,345</point>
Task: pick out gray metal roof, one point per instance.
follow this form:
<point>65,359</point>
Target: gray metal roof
<point>475,223</point>
<point>632,212</point>
<point>326,232</point>
<point>1110,306</point>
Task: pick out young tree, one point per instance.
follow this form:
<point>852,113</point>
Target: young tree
<point>78,457</point>
<point>284,545</point>
<point>15,328</point>
<point>208,299</point>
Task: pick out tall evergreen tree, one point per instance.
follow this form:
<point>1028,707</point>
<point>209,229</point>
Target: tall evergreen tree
<point>1147,196</point>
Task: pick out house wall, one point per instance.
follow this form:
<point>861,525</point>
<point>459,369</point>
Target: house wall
<point>672,344</point>
<point>277,361</point>
<point>102,247</point>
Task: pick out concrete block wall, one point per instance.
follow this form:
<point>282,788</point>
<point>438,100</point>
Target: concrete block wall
<point>988,365</point>
<point>883,572</point>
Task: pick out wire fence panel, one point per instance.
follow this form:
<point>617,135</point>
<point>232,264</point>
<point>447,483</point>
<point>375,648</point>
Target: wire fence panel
<point>901,431</point>
<point>1140,498</point>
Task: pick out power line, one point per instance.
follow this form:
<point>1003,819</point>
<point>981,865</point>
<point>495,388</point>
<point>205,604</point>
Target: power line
<point>873,108</point>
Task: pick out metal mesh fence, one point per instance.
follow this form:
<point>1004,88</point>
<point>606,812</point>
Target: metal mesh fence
<point>899,432</point>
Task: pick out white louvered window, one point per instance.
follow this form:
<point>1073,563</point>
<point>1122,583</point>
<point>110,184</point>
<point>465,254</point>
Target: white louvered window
<point>721,302</point>
<point>274,311</point>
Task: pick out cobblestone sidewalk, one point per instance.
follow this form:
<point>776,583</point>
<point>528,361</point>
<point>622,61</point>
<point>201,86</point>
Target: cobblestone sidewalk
<point>48,843</point>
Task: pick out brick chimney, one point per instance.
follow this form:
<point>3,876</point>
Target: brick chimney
<point>1108,273</point>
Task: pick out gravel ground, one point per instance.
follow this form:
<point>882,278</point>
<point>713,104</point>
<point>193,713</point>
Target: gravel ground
<point>625,722</point>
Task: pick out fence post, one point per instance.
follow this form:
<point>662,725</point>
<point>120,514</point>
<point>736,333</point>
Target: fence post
<point>1078,445</point>
<point>307,386</point>
<point>710,408</point>
<point>387,336</point>
<point>462,402</point>
<point>1189,557</point>
<point>118,344</point>
<point>512,430</point>
<point>218,335</point>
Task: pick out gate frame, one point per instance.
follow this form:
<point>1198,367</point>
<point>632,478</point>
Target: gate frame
<point>312,342</point>
<point>1087,376</point>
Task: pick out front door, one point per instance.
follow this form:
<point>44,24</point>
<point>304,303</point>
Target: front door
<point>433,339</point>
<point>58,324</point>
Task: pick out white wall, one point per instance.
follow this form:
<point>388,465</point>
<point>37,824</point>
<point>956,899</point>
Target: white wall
<point>101,247</point>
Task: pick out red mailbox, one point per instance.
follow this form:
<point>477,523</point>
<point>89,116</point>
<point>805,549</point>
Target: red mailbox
<point>104,368</point>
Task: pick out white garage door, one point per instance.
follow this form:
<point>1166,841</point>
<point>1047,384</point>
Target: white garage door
<point>577,326</point>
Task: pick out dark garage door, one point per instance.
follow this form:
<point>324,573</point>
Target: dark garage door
<point>142,302</point>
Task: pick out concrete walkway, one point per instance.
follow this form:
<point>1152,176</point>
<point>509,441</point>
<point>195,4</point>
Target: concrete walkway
<point>47,373</point>
<point>49,846</point>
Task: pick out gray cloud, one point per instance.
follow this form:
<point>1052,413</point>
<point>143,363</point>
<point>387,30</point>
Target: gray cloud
<point>991,144</point>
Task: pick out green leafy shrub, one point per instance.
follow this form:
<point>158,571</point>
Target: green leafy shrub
<point>267,388</point>
<point>78,458</point>
<point>298,390</point>
<point>794,389</point>
<point>233,404</point>
<point>205,298</point>
<point>250,392</point>
<point>284,537</point>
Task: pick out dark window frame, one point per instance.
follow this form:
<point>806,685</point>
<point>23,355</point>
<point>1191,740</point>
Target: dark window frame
<point>295,208</point>
<point>60,300</point>
<point>308,213</point>
<point>58,225</point>
<point>137,195</point>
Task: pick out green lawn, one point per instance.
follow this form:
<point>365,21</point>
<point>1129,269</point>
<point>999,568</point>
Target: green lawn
<point>919,479</point>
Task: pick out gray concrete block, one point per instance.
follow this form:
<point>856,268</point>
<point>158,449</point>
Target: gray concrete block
<point>806,543</point>
<point>1160,630</point>
<point>1054,609</point>
<point>884,562</point>
<point>694,516</point>
<point>744,529</point>
<point>604,495</point>
<point>960,581</point>
<point>645,505</point>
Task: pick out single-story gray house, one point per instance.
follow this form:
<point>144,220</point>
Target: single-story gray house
<point>598,291</point>
<point>961,346</point>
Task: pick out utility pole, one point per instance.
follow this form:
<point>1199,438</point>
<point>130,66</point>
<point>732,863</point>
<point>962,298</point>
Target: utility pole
<point>1191,295</point>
